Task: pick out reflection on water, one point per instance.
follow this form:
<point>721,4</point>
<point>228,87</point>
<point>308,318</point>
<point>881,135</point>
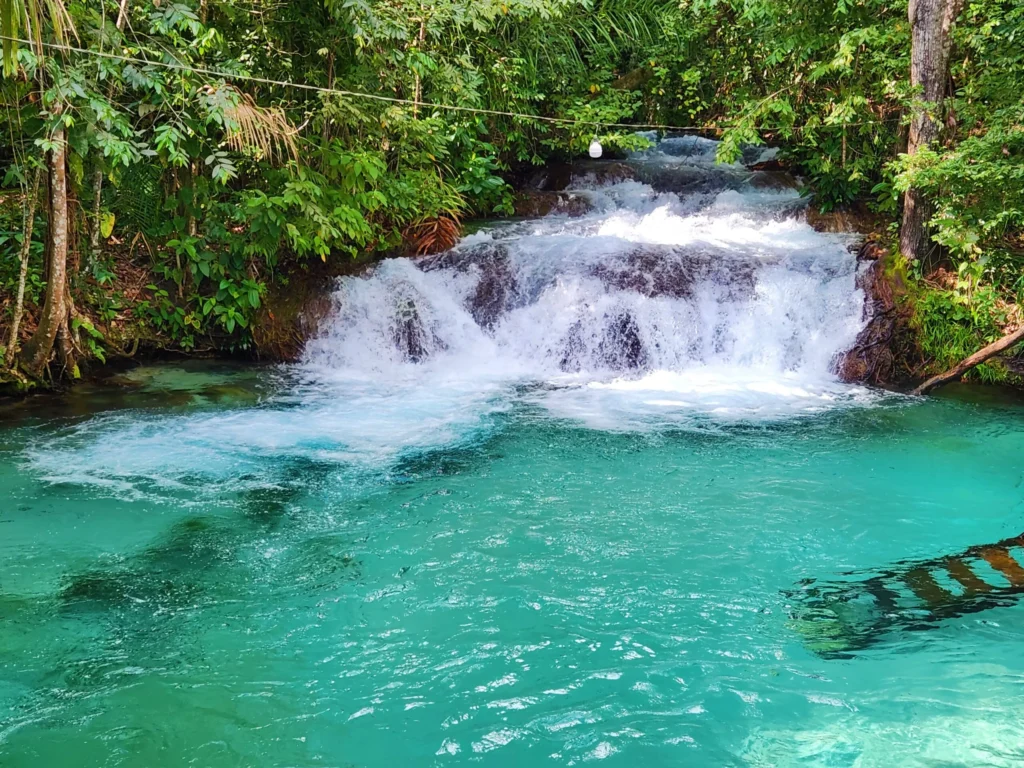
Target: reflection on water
<point>842,616</point>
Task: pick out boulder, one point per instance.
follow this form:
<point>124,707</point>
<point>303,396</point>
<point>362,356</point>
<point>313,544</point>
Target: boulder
<point>534,204</point>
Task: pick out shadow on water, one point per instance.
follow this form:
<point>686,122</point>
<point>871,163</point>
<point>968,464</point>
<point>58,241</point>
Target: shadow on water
<point>143,607</point>
<point>861,609</point>
<point>186,385</point>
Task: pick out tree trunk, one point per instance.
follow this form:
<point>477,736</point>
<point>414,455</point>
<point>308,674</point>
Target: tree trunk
<point>96,224</point>
<point>418,86</point>
<point>37,351</point>
<point>931,24</point>
<point>31,198</point>
<point>979,357</point>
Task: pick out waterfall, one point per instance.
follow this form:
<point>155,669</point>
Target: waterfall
<point>684,276</point>
<point>689,295</point>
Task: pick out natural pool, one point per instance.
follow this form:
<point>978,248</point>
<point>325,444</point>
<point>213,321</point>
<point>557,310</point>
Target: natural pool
<point>580,489</point>
<point>193,573</point>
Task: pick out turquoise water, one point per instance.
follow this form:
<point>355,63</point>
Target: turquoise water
<point>232,567</point>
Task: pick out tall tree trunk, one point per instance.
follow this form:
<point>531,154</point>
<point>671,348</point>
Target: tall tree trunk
<point>37,351</point>
<point>418,86</point>
<point>931,25</point>
<point>31,199</point>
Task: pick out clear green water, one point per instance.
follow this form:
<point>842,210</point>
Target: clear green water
<point>193,572</point>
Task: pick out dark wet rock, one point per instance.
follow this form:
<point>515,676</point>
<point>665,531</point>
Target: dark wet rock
<point>622,349</point>
<point>293,311</point>
<point>776,180</point>
<point>534,204</point>
<point>574,349</point>
<point>560,176</point>
<point>496,289</point>
<point>686,180</point>
<point>617,345</point>
<point>672,273</point>
<point>874,355</point>
<point>856,219</point>
<point>493,294</point>
<point>410,335</point>
<point>871,251</point>
<point>796,209</point>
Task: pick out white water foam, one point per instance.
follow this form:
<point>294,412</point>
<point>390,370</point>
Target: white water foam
<point>651,308</point>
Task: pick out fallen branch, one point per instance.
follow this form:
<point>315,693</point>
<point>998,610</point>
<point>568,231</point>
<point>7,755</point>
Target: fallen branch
<point>977,358</point>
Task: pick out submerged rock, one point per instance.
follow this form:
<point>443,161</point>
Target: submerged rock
<point>675,273</point>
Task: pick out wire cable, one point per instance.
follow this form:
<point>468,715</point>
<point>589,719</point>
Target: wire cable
<point>178,66</point>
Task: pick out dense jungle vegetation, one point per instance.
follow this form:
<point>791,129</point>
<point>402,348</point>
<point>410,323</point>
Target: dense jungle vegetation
<point>169,164</point>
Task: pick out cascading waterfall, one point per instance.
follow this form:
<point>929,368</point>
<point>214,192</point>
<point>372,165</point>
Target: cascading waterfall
<point>690,278</point>
<point>689,296</point>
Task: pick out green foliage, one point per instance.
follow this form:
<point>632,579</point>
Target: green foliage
<point>224,184</point>
<point>954,324</point>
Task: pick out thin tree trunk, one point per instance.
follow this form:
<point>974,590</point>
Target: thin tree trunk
<point>979,357</point>
<point>31,200</point>
<point>97,177</point>
<point>94,230</point>
<point>418,87</point>
<point>36,353</point>
<point>931,25</point>
<point>330,87</point>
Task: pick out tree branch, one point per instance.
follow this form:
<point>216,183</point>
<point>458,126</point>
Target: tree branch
<point>977,358</point>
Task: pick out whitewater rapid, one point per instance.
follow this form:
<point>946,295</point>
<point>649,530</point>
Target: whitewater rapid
<point>690,296</point>
<point>691,287</point>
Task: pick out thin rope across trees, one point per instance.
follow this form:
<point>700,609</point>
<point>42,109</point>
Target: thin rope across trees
<point>178,66</point>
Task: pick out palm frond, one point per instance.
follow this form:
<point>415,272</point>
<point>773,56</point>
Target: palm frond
<point>28,19</point>
<point>266,131</point>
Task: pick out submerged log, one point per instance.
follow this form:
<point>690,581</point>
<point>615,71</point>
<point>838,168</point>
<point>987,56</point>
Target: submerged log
<point>979,357</point>
<point>859,609</point>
